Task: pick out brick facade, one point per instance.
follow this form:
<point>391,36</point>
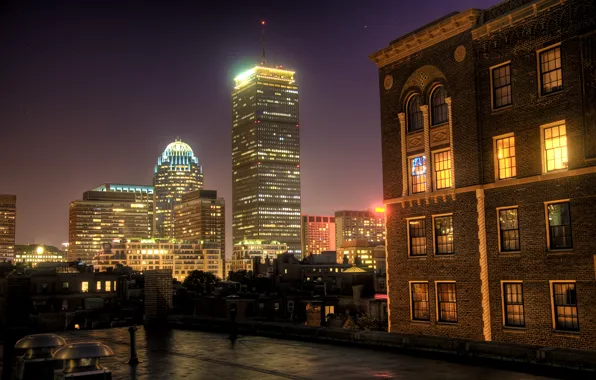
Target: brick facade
<point>458,53</point>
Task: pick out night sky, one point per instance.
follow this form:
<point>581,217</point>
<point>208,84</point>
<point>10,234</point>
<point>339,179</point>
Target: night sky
<point>93,91</point>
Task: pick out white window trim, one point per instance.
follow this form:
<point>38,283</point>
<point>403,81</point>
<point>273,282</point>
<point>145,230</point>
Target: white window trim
<point>434,173</point>
<point>548,226</point>
<point>492,90</point>
<point>435,238</point>
<point>408,220</point>
<point>503,282</point>
<point>499,228</point>
<point>437,301</point>
<point>411,303</point>
<point>552,303</point>
<point>496,156</point>
<point>543,148</point>
<point>539,71</point>
<point>409,167</point>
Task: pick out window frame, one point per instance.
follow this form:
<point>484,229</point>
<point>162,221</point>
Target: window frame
<point>430,103</point>
<point>499,209</point>
<point>543,146</point>
<point>546,220</point>
<point>410,286</point>
<point>434,166</point>
<point>408,101</point>
<point>437,303</point>
<point>539,52</point>
<point>492,86</point>
<point>411,177</point>
<point>503,304</point>
<point>551,285</point>
<point>435,235</point>
<point>408,220</point>
<point>496,156</point>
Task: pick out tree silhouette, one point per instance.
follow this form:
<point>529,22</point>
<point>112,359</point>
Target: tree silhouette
<point>200,281</point>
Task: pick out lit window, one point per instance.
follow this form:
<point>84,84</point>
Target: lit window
<point>417,231</point>
<point>98,286</point>
<point>506,164</point>
<point>565,306</point>
<point>446,297</point>
<point>65,285</point>
<point>443,235</point>
<point>442,168</point>
<point>439,110</point>
<point>415,117</point>
<point>555,147</point>
<point>420,304</point>
<point>108,286</point>
<point>418,174</point>
<point>501,80</point>
<point>513,304</point>
<point>84,286</point>
<point>559,226</point>
<point>509,230</point>
<point>551,76</point>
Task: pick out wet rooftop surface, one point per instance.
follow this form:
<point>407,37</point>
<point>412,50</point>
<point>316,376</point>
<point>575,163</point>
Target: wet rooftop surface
<point>181,354</point>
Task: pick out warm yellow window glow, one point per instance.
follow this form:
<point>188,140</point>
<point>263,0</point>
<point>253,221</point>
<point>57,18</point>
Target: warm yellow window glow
<point>85,287</point>
<point>555,148</point>
<point>98,285</point>
<point>108,286</point>
<point>506,157</point>
<point>443,170</point>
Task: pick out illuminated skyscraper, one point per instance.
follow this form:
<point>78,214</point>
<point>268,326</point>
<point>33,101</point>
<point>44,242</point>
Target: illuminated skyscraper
<point>360,225</point>
<point>318,234</point>
<point>8,217</point>
<point>266,157</point>
<point>177,172</point>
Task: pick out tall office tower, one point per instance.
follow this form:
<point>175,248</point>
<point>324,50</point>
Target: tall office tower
<point>102,217</point>
<point>8,218</point>
<point>360,225</point>
<point>143,194</point>
<point>318,234</point>
<point>266,157</point>
<point>177,172</point>
<point>200,215</point>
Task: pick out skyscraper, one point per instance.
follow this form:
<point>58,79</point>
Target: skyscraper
<point>177,172</point>
<point>266,157</point>
<point>8,218</point>
<point>359,225</point>
<point>318,234</point>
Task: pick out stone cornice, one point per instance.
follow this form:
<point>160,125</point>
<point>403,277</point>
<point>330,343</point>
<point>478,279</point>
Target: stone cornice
<point>427,37</point>
<point>514,17</point>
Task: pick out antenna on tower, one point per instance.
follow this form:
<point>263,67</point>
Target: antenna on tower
<point>264,58</point>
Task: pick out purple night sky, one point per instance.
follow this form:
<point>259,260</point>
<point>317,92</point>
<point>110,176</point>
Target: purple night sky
<point>93,91</point>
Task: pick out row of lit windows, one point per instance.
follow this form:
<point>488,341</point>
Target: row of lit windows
<point>441,172</point>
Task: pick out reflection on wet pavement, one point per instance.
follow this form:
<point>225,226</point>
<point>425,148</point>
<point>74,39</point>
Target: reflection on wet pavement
<point>181,354</point>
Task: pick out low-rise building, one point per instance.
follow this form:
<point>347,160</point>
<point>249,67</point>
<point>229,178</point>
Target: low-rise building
<point>361,252</point>
<point>246,251</point>
<point>32,254</point>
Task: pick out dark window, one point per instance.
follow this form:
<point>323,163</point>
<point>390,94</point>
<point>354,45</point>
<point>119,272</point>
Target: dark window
<point>551,76</point>
<point>513,299</point>
<point>417,237</point>
<point>447,302</point>
<point>418,174</point>
<point>502,86</point>
<point>565,306</point>
<point>415,118</point>
<point>65,285</point>
<point>420,306</point>
<point>559,226</point>
<point>444,235</point>
<point>439,110</point>
<point>509,226</point>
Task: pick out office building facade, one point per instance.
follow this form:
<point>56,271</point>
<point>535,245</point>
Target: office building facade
<point>318,234</point>
<point>100,217</point>
<point>8,221</point>
<point>247,251</point>
<point>266,157</point>
<point>200,215</point>
<point>360,225</point>
<point>489,166</point>
<point>177,172</point>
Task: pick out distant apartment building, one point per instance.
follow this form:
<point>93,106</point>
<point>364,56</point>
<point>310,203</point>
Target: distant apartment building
<point>32,254</point>
<point>361,253</point>
<point>200,216</point>
<point>248,250</point>
<point>318,234</point>
<point>360,225</point>
<point>8,219</point>
<point>101,217</point>
<point>151,254</point>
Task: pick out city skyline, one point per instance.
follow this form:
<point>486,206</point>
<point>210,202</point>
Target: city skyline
<point>116,102</point>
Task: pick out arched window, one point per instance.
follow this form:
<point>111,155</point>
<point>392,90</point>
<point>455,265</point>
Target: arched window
<point>439,113</point>
<point>415,118</point>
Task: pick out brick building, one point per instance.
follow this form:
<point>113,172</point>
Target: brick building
<point>489,167</point>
